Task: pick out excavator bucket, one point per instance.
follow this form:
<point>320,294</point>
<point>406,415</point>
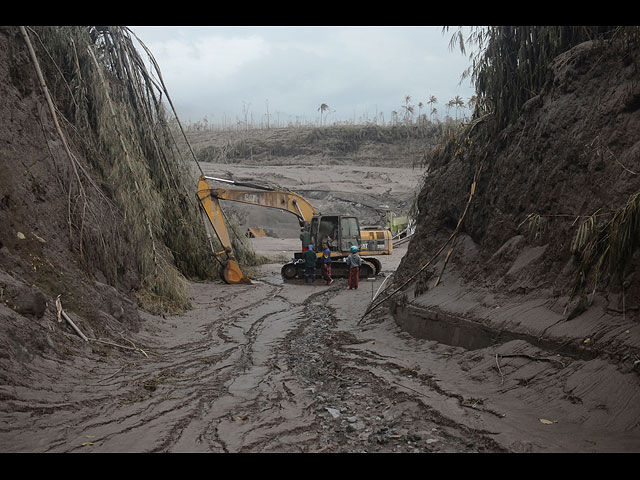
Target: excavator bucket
<point>231,273</point>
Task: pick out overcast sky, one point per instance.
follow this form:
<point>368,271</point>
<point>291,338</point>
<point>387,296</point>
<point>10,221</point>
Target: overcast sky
<point>223,73</point>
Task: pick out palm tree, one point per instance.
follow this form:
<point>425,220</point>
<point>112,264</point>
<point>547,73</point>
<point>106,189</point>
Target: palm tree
<point>408,109</point>
<point>322,108</point>
<point>408,113</point>
<point>432,100</point>
<point>449,105</point>
<point>458,103</point>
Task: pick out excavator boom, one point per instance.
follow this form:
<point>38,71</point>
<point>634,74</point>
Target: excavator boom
<point>282,200</point>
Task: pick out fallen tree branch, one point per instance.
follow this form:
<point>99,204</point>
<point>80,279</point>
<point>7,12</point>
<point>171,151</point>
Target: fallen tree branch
<point>455,233</point>
<point>73,325</point>
<point>500,371</point>
<point>61,314</point>
<point>446,260</point>
<point>119,346</point>
<point>409,388</point>
<point>449,240</point>
<point>86,339</point>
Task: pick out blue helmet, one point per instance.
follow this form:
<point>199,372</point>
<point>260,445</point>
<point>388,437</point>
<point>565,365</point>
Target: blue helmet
<point>310,247</point>
<point>354,249</point>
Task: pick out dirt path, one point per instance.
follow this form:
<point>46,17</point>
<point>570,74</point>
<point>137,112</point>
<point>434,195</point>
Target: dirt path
<point>266,367</point>
<point>271,367</point>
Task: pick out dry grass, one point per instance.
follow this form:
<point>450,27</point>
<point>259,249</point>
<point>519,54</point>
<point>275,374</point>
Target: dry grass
<point>605,248</point>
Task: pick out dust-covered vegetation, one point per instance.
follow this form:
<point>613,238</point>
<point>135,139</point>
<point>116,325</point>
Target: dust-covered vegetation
<point>380,145</point>
<point>509,67</point>
<point>513,70</point>
<point>509,64</point>
<point>112,111</point>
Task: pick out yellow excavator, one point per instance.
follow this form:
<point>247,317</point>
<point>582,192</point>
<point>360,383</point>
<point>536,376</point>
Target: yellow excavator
<point>340,232</point>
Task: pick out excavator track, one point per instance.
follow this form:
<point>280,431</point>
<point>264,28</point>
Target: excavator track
<point>295,270</point>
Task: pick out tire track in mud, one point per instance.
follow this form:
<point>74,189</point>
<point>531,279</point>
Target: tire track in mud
<point>279,374</point>
<point>231,387</point>
<point>285,384</point>
<point>126,403</point>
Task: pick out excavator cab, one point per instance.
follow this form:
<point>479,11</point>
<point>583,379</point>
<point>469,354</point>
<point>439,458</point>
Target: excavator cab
<point>339,232</point>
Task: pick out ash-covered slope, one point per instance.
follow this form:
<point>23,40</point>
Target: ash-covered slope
<point>43,254</point>
<point>572,152</point>
<point>85,214</point>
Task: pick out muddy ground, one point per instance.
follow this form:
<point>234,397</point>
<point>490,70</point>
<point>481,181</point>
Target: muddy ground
<point>270,367</point>
<point>274,367</point>
<point>266,367</point>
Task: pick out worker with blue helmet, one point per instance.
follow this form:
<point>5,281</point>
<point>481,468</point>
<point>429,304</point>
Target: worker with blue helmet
<point>354,262</point>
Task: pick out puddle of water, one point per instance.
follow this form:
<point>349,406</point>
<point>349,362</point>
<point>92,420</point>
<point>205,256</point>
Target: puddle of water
<point>446,329</point>
<point>459,332</point>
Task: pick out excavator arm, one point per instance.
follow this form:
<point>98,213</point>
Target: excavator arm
<point>273,198</point>
<point>255,195</point>
<point>231,272</point>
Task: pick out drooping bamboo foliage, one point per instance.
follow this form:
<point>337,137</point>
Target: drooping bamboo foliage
<point>113,107</point>
<point>605,248</point>
<point>509,63</point>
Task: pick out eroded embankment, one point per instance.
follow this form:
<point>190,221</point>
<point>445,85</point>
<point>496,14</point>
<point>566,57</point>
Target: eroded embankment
<point>459,331</point>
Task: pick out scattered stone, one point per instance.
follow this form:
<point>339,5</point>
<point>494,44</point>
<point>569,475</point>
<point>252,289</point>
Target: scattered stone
<point>355,427</point>
<point>335,413</point>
